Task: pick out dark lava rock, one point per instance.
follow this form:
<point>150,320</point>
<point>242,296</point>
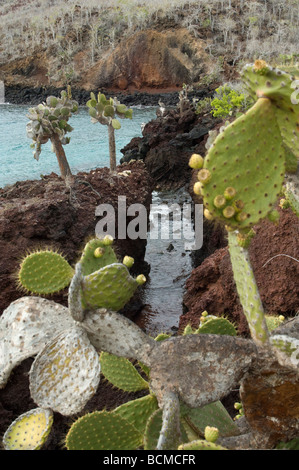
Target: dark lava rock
<point>167,144</point>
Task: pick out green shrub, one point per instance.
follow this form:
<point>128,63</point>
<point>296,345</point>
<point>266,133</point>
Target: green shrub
<point>227,102</point>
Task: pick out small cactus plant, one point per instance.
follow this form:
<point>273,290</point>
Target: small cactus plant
<point>106,111</point>
<point>49,121</point>
<point>57,336</point>
<point>104,283</point>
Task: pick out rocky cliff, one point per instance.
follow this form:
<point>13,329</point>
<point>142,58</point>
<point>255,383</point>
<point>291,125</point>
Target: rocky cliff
<point>149,60</point>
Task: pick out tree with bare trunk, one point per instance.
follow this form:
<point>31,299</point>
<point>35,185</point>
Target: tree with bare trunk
<point>105,111</point>
<point>49,121</point>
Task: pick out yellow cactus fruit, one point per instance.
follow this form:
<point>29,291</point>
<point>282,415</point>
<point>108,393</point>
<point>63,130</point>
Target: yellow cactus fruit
<point>196,161</point>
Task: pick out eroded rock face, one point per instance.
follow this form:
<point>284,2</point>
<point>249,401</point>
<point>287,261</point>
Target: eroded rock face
<point>211,285</point>
<point>47,213</point>
<point>270,398</point>
<point>151,59</point>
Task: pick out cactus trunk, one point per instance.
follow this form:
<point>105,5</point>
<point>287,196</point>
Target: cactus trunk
<point>248,291</point>
<point>112,151</point>
<point>61,158</point>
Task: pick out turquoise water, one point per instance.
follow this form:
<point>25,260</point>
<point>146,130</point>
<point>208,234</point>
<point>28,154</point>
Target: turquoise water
<point>88,148</point>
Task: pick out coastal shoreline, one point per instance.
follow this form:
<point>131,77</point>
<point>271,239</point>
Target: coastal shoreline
<point>18,94</point>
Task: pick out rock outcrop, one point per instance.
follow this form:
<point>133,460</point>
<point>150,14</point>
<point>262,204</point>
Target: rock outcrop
<point>151,59</point>
<point>167,144</point>
<point>148,60</point>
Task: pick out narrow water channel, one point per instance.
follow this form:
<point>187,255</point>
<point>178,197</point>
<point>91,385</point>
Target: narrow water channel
<point>170,266</point>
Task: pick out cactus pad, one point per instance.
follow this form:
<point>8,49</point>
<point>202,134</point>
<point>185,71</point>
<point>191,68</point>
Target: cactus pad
<point>96,255</point>
<point>248,290</point>
<point>110,287</point>
<point>200,444</point>
<point>242,170</point>
<point>102,430</point>
<point>152,430</point>
<point>121,373</point>
<point>66,373</point>
<point>26,326</point>
<point>29,431</point>
<point>276,85</point>
<point>114,333</point>
<point>217,326</point>
<point>138,411</point>
<point>213,414</point>
<point>44,272</point>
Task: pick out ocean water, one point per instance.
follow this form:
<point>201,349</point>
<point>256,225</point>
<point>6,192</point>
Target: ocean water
<point>87,150</point>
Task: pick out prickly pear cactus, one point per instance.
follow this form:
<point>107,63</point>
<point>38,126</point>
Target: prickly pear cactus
<point>103,431</point>
<point>29,431</point>
<point>264,81</point>
<point>106,111</point>
<point>201,444</point>
<point>26,326</point>
<point>241,179</point>
<point>103,282</point>
<point>121,373</point>
<point>97,254</point>
<point>137,412</point>
<point>248,290</point>
<point>245,166</point>
<point>49,121</point>
<point>110,287</point>
<point>66,373</point>
<point>44,272</point>
<point>286,349</point>
<point>213,325</point>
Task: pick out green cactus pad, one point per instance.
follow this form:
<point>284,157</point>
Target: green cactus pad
<point>66,373</point>
<point>276,85</point>
<point>201,444</point>
<point>110,287</point>
<point>102,430</point>
<point>91,259</point>
<point>217,326</point>
<point>44,272</point>
<point>138,411</point>
<point>238,161</point>
<point>121,373</point>
<point>213,414</point>
<point>291,161</point>
<point>152,430</point>
<point>29,431</point>
<point>248,290</point>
